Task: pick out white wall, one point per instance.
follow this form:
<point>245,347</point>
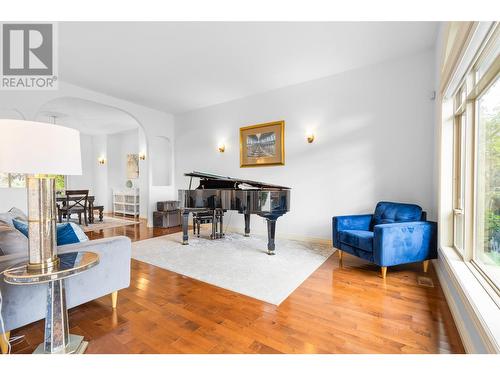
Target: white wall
<point>86,179</point>
<point>14,197</point>
<point>153,122</point>
<point>100,172</point>
<point>119,145</point>
<point>374,141</point>
<point>161,161</point>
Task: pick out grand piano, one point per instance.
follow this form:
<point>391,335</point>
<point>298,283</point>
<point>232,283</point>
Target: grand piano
<point>226,193</point>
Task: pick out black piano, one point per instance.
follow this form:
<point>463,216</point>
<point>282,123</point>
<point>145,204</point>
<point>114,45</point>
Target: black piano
<point>226,193</point>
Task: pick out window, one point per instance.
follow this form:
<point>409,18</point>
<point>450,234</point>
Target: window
<point>12,180</point>
<point>4,180</point>
<point>476,163</point>
<point>60,183</point>
<point>487,197</point>
<point>18,180</point>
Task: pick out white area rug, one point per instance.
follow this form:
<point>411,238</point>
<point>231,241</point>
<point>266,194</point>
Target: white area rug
<point>236,262</point>
<point>106,223</point>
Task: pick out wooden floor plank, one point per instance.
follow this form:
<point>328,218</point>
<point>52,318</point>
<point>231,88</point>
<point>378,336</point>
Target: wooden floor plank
<point>343,307</point>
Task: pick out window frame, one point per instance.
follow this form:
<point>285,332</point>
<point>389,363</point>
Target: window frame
<point>474,86</point>
<point>459,151</point>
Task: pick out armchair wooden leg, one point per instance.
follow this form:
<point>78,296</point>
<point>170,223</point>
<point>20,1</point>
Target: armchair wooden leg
<point>340,254</point>
<point>114,299</point>
<point>384,271</point>
<point>4,345</point>
<point>426,265</point>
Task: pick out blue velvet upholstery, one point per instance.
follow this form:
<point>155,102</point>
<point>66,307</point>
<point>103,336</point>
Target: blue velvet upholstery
<point>397,233</point>
<point>362,239</point>
<point>404,242</point>
<point>389,212</point>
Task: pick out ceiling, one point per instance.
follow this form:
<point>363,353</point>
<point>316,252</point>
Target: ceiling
<point>180,66</point>
<point>86,116</point>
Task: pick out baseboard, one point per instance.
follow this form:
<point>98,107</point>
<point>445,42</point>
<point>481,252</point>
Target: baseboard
<point>455,312</point>
<point>475,337</point>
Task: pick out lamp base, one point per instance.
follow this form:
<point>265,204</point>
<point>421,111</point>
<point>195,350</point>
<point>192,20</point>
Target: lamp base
<point>42,239</point>
<point>49,264</point>
<point>76,345</point>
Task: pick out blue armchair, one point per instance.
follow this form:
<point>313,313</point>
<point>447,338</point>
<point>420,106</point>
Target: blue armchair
<point>397,233</point>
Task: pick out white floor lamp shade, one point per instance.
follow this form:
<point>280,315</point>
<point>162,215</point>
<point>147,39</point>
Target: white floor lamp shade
<point>38,149</point>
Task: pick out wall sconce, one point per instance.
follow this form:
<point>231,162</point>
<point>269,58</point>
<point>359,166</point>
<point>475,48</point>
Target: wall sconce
<point>142,156</point>
<point>102,160</point>
<point>310,137</point>
<point>221,147</point>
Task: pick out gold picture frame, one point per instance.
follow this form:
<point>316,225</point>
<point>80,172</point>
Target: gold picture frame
<point>262,145</point>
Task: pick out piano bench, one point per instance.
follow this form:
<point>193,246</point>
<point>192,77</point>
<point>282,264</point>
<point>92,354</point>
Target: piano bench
<point>207,217</point>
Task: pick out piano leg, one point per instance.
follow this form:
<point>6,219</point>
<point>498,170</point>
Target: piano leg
<point>185,224</point>
<point>213,236</point>
<point>271,231</point>
<point>247,225</point>
<point>221,223</point>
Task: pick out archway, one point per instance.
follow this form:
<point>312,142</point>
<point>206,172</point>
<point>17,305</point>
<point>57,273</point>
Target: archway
<point>111,139</point>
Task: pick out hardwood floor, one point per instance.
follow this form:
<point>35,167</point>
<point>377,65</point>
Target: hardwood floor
<point>340,308</point>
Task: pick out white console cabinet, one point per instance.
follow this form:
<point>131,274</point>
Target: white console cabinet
<point>126,202</point>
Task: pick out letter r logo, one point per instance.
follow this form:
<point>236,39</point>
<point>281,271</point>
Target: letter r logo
<point>27,49</point>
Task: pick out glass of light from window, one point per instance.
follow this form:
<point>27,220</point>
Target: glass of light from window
<point>4,180</point>
<point>487,247</point>
<point>17,180</point>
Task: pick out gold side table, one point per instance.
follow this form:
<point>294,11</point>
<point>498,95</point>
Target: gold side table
<point>57,338</point>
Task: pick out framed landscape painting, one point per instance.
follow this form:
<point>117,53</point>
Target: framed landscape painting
<point>262,144</point>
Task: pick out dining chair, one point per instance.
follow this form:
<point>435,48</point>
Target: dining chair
<point>76,202</point>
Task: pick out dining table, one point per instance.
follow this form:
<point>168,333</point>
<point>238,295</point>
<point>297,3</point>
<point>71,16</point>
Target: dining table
<point>90,200</point>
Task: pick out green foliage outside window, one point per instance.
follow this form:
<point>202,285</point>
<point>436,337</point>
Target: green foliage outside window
<point>60,183</point>
<point>12,180</point>
<point>492,188</point>
<point>18,180</point>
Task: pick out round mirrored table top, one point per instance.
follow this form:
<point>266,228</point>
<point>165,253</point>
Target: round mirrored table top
<point>70,264</point>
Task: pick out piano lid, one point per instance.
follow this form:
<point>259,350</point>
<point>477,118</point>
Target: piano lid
<point>256,184</point>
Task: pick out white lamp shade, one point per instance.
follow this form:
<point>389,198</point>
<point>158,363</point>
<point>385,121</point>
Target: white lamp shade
<point>39,148</point>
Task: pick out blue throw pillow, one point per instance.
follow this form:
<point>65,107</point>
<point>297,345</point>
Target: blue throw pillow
<point>67,233</point>
<point>21,226</point>
<point>70,233</point>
